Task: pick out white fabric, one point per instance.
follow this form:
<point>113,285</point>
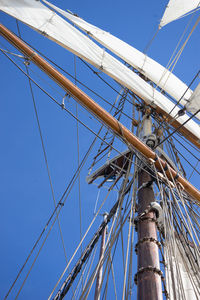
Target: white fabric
<point>180,277</point>
<point>147,66</point>
<point>178,8</point>
<point>194,101</point>
<point>42,19</point>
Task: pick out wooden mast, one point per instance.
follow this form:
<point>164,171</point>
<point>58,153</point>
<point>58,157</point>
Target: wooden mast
<point>148,277</point>
<point>127,136</point>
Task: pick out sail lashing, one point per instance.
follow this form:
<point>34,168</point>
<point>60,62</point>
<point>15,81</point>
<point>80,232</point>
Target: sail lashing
<point>161,76</point>
<point>47,22</point>
<point>193,104</point>
<point>152,70</point>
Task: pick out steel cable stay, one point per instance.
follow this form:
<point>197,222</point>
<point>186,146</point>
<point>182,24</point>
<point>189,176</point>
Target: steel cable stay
<point>179,127</point>
<point>113,240</point>
<point>177,56</point>
<point>128,241</point>
<point>192,166</point>
<point>166,225</point>
<point>187,149</point>
<point>97,213</point>
<point>144,161</point>
<point>130,273</point>
<point>73,77</point>
<point>174,198</point>
<point>178,222</point>
<point>171,61</point>
<point>94,107</point>
<point>169,186</point>
<point>178,102</point>
<point>43,148</point>
<point>176,59</point>
<point>186,243</point>
<point>106,101</point>
<point>43,90</point>
<point>51,61</point>
<point>71,114</point>
<point>195,156</point>
<point>189,177</point>
<point>84,237</point>
<point>69,262</point>
<point>180,229</point>
<point>65,109</point>
<point>119,226</point>
<point>78,264</point>
<point>182,201</point>
<point>188,142</point>
<point>59,206</point>
<point>167,127</point>
<point>165,138</point>
<point>78,160</point>
<point>169,141</point>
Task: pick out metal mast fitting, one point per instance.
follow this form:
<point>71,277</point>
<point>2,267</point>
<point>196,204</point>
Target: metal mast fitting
<point>126,135</point>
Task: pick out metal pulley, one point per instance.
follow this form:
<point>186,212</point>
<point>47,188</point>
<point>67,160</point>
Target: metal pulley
<point>155,206</point>
<point>151,140</point>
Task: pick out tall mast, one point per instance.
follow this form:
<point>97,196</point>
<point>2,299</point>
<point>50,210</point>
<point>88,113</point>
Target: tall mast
<point>148,277</point>
<point>127,136</point>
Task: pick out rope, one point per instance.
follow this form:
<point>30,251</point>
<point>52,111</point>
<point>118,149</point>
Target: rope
<point>79,245</point>
<point>43,148</point>
<point>178,128</point>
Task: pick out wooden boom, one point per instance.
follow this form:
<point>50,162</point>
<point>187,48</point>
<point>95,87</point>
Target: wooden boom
<point>128,137</point>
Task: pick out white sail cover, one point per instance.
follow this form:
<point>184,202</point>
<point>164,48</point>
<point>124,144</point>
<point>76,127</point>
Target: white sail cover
<point>48,23</point>
<point>177,9</point>
<point>194,102</point>
<point>147,66</point>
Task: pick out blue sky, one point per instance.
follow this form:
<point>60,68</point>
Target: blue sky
<point>26,200</point>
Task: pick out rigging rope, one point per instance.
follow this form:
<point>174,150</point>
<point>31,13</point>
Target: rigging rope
<point>71,114</point>
<point>43,147</point>
<point>78,81</point>
<point>179,127</point>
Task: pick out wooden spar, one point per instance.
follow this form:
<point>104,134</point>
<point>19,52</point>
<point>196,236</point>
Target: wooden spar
<point>127,136</point>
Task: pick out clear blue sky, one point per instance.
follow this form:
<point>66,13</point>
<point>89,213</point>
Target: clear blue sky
<point>26,200</point>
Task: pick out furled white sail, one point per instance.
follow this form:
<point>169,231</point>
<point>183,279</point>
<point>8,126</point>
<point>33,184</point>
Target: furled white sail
<point>147,66</point>
<point>194,102</point>
<point>48,23</point>
<point>177,9</point>
<point>181,279</point>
